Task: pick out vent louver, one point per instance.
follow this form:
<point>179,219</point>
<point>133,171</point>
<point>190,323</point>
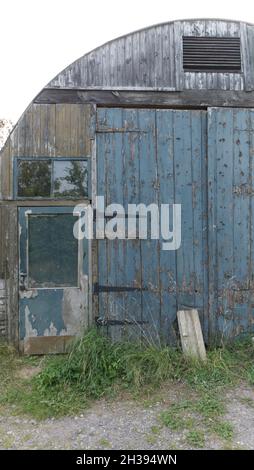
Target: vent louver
<point>211,54</point>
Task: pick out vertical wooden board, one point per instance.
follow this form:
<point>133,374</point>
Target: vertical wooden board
<point>242,189</point>
<point>112,63</point>
<point>115,254</point>
<point>128,72</point>
<point>74,130</point>
<point>102,146</point>
<point>158,78</point>
<point>195,80</point>
<point>205,229</point>
<point>224,214</point>
<point>212,232</point>
<point>135,61</point>
<point>165,161</point>
<point>97,72</point>
<point>63,124</point>
<point>51,131</point>
<point>12,274</point>
<point>150,249</point>
<point>132,253</point>
<point>223,78</point>
<point>21,135</point>
<point>247,33</point>
<point>104,62</point>
<point>6,188</point>
<point>183,195</point>
<point>199,208</point>
<point>35,144</point>
<point>211,30</point>
<point>85,130</point>
<point>166,55</point>
<point>29,133</point>
<point>178,65</point>
<point>120,60</point>
<point>241,199</point>
<point>170,48</point>
<point>224,211</point>
<point>44,130</point>
<point>251,215</point>
<point>230,236</point>
<point>191,334</point>
<point>188,76</point>
<point>143,71</point>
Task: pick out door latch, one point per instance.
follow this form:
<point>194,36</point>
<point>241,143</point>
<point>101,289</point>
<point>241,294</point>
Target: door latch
<point>22,281</point>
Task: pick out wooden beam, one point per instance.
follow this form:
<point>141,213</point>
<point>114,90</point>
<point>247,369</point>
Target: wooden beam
<point>181,99</point>
<point>191,334</point>
<point>38,345</point>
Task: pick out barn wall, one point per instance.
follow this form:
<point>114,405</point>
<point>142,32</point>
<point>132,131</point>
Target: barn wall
<point>46,131</point>
<point>3,313</point>
<point>152,59</point>
<point>43,131</point>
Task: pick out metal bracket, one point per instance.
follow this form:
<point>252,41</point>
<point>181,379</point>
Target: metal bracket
<point>98,288</point>
<point>112,321</point>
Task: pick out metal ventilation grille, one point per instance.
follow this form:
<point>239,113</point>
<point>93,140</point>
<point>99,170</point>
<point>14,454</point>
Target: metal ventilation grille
<point>211,54</point>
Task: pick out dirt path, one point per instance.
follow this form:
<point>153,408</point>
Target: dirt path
<point>128,425</point>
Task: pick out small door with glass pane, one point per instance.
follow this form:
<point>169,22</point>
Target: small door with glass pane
<point>53,264</point>
<point>53,277</point>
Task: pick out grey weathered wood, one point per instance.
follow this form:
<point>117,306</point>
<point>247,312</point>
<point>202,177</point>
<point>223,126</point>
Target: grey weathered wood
<point>248,56</point>
<point>39,345</point>
<point>11,271</point>
<point>186,99</point>
<point>61,129</point>
<point>152,57</point>
<point>191,334</point>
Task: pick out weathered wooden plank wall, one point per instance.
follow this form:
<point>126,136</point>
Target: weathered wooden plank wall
<point>46,131</point>
<point>151,59</point>
<point>8,273</point>
<point>152,156</point>
<point>230,183</point>
<point>43,131</point>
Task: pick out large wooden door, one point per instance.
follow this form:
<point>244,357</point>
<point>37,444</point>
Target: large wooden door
<point>152,156</point>
<point>231,216</point>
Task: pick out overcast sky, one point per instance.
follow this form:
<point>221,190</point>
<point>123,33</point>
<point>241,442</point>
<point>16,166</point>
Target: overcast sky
<point>41,37</point>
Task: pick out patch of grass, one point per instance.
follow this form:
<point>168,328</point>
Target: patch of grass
<point>7,365</point>
<point>175,417</point>
<point>104,443</point>
<point>223,429</point>
<point>172,420</point>
<point>96,367</point>
<point>195,439</point>
<point>26,398</point>
<point>151,439</point>
<point>155,430</point>
<point>209,406</point>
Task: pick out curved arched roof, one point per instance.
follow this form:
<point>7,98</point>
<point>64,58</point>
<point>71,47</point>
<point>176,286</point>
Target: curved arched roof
<point>151,58</point>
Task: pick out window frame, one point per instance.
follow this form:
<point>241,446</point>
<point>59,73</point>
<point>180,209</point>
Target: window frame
<point>16,160</point>
<point>80,252</point>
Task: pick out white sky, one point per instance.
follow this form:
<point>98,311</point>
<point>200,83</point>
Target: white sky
<point>41,37</point>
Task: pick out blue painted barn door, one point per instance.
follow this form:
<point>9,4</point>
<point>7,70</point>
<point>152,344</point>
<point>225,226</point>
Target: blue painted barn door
<point>152,156</point>
<point>231,211</point>
<point>53,274</point>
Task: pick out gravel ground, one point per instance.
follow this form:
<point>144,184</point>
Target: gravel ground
<point>126,425</point>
